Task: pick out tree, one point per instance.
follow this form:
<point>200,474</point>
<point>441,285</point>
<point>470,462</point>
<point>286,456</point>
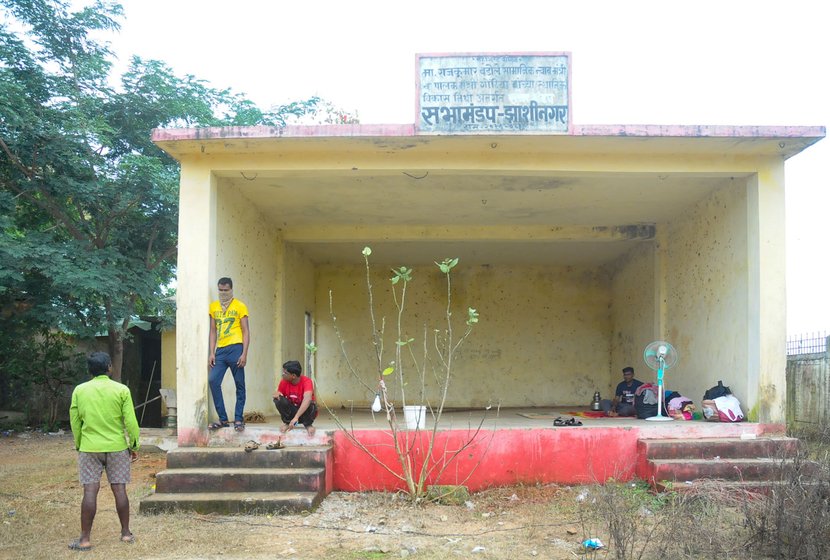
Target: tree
<point>88,204</point>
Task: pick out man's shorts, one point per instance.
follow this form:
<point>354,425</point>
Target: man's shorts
<point>117,465</point>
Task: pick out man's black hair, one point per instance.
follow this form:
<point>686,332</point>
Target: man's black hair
<point>98,363</point>
<point>293,366</point>
<point>225,281</point>
<point>627,369</point>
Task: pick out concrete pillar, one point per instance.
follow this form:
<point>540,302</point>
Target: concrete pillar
<point>767,308</point>
<point>196,278</point>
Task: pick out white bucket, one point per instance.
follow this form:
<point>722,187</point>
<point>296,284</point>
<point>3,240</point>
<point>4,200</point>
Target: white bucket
<point>415,416</point>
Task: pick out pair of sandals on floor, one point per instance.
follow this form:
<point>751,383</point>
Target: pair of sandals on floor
<point>238,426</point>
<point>569,422</point>
<point>253,444</point>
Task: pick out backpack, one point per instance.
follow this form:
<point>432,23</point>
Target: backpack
<point>645,400</point>
<point>718,390</point>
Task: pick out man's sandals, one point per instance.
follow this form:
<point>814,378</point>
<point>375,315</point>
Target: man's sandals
<point>569,422</point>
<point>238,426</point>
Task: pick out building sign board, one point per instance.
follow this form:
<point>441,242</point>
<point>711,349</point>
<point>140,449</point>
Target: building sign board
<point>489,93</point>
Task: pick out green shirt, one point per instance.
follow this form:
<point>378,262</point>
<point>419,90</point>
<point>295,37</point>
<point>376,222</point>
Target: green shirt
<point>101,409</point>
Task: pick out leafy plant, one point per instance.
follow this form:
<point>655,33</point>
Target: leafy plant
<point>42,369</point>
<point>412,361</point>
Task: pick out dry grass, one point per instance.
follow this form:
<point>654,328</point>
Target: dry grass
<point>40,505</point>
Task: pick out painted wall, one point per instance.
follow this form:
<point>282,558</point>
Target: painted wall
<point>519,456</point>
<point>543,338</point>
<point>706,283</point>
<point>633,314</point>
<point>246,251</point>
<point>168,363</point>
<point>297,276</point>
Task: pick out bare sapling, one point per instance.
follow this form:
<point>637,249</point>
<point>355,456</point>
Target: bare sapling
<point>414,367</point>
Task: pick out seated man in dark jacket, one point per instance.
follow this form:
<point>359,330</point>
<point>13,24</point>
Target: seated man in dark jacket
<point>623,403</point>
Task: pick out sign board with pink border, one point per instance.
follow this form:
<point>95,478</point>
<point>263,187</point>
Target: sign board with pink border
<point>493,93</point>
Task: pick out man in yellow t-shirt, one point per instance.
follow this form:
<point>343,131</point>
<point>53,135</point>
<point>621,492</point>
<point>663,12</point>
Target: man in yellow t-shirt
<point>229,340</point>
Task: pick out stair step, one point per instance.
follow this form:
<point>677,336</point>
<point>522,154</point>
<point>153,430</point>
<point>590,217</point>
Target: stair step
<point>763,469</point>
<point>225,457</point>
<point>733,487</point>
<point>232,502</point>
<point>188,480</point>
<point>725,448</point>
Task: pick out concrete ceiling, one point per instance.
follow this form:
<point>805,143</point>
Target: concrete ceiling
<point>585,198</point>
<point>334,215</point>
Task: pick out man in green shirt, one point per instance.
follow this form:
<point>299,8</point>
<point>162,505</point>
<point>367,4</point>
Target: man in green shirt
<point>100,412</point>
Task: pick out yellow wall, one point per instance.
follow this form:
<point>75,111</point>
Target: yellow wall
<point>543,338</point>
<point>707,294</point>
<point>298,280</point>
<point>633,314</point>
<point>246,251</point>
<point>168,363</point>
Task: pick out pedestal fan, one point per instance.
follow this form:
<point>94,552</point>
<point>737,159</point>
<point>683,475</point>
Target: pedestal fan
<point>660,356</point>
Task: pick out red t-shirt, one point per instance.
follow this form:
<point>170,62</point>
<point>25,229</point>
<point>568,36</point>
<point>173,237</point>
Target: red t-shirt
<point>294,393</point>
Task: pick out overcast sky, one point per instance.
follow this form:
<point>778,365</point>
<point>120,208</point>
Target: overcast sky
<point>727,62</point>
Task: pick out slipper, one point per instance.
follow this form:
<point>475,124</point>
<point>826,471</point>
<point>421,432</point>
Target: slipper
<point>128,539</point>
<point>218,425</point>
<point>573,422</point>
<point>559,421</point>
<point>239,426</point>
<point>275,445</point>
<point>251,445</point>
<point>76,545</point>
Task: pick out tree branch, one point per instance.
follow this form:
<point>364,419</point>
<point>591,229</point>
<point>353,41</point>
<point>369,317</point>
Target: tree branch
<point>28,172</point>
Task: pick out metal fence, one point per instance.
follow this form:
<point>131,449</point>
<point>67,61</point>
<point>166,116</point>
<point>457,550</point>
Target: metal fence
<point>809,343</point>
<point>808,380</point>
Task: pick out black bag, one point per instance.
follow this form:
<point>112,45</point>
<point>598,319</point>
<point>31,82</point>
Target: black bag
<point>718,390</point>
<point>645,410</point>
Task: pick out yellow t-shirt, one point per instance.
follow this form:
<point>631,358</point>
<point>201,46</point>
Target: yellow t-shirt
<point>228,323</point>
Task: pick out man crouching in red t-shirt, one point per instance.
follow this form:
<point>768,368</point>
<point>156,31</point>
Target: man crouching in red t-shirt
<point>294,398</point>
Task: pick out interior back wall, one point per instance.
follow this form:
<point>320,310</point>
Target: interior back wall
<point>543,336</point>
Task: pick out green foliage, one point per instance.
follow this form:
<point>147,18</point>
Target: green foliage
<point>39,371</point>
<point>88,204</point>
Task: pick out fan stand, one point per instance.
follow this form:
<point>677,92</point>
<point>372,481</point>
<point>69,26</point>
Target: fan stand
<point>660,392</point>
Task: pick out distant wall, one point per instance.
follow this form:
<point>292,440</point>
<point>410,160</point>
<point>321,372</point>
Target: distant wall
<point>543,339</point>
<point>298,279</point>
<point>632,314</point>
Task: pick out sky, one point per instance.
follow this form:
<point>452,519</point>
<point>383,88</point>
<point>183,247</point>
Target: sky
<point>725,62</point>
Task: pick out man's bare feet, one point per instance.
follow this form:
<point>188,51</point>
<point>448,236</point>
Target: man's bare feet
<point>612,414</point>
<point>310,430</point>
<point>284,428</point>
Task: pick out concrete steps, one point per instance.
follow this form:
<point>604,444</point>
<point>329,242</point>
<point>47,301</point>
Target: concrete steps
<point>229,480</point>
<point>232,502</point>
<point>752,464</point>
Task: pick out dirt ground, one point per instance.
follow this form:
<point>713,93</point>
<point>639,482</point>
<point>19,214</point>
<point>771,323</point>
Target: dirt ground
<point>40,512</point>
<point>40,508</point>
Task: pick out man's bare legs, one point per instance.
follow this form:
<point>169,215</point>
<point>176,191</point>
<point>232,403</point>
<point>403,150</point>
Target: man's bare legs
<point>122,507</point>
<point>89,506</point>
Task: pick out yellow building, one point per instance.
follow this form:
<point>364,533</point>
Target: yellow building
<point>577,250</point>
